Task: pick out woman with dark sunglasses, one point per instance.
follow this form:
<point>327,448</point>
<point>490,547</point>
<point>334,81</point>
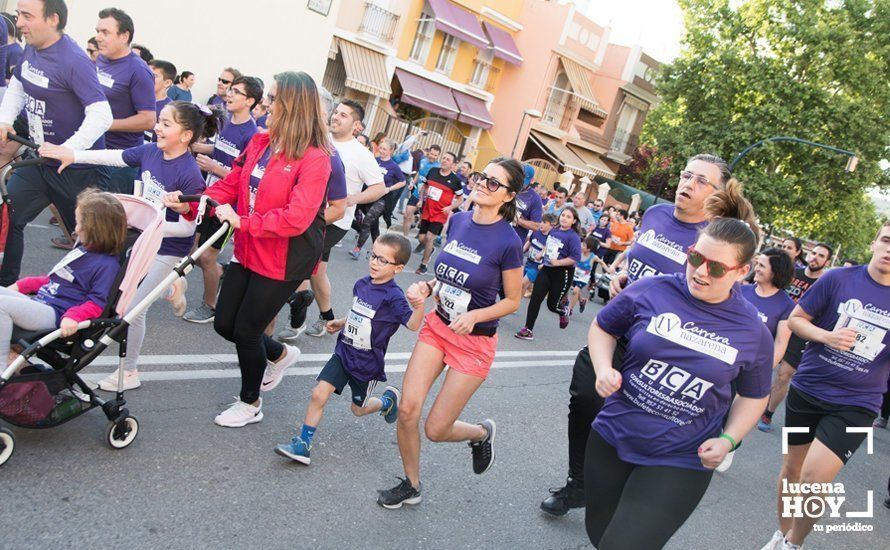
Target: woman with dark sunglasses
<point>481,255</point>
<point>659,435</point>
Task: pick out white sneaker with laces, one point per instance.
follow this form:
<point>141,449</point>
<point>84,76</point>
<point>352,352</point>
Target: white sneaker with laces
<point>727,462</point>
<point>131,381</point>
<point>240,414</point>
<point>776,542</point>
<point>275,371</point>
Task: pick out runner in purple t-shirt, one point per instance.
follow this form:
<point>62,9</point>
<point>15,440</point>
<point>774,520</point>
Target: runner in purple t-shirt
<point>660,433</point>
<point>837,390</point>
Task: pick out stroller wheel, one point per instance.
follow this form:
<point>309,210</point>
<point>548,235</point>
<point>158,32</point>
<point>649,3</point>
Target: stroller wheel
<point>120,434</point>
<point>7,445</point>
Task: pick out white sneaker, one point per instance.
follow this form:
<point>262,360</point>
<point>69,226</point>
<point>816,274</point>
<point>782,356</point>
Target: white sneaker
<point>788,546</point>
<point>131,381</point>
<point>240,414</point>
<point>275,371</point>
<point>776,542</point>
<point>727,462</point>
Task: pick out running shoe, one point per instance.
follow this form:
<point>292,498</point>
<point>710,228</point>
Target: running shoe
<point>887,502</point>
<point>419,248</point>
<point>275,370</point>
<point>290,333</point>
<point>355,253</point>
<point>582,305</point>
<point>299,307</point>
<point>438,241</point>
<point>131,381</point>
<point>296,450</point>
<point>240,414</point>
<point>765,424</point>
<point>201,315</point>
<point>54,221</point>
<point>422,270</point>
<point>483,451</point>
<point>775,543</point>
<point>62,242</point>
<point>727,462</point>
<point>391,414</point>
<point>564,317</point>
<point>318,328</point>
<point>403,493</point>
<point>565,498</point>
<point>525,334</point>
<point>879,423</point>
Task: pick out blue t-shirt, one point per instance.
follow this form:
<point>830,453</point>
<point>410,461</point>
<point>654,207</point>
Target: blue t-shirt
<point>562,243</point>
<point>175,93</point>
<point>528,207</point>
<point>376,313</point>
<point>469,267</point>
<point>160,176</point>
<point>847,297</point>
<point>230,143</point>
<point>79,277</point>
<point>771,310</point>
<point>536,245</point>
<point>661,243</point>
<point>682,357</point>
<point>129,85</point>
<point>583,269</point>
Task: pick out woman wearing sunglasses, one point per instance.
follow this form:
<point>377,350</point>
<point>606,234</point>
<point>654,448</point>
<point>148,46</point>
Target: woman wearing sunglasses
<point>655,443</point>
<point>481,255</point>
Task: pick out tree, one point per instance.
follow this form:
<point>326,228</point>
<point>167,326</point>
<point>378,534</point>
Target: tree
<point>814,69</point>
<point>650,171</point>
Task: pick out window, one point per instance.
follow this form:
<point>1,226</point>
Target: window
<point>426,28</point>
<point>482,68</point>
<point>447,54</point>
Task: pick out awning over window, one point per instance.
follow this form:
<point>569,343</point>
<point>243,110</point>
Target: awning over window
<point>593,161</point>
<point>561,153</point>
<point>472,110</point>
<point>503,44</point>
<point>365,69</point>
<point>579,77</point>
<point>427,95</point>
<point>458,22</point>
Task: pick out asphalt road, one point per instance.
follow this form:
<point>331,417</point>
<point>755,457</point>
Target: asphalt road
<point>186,483</point>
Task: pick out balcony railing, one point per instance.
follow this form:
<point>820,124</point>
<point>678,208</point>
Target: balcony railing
<point>624,142</point>
<point>556,109</point>
<point>379,23</point>
<point>485,75</point>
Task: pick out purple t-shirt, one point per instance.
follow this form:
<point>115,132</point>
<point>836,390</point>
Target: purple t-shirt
<point>60,82</point>
<point>377,311</point>
<point>602,234</point>
<point>847,297</point>
<point>536,245</point>
<point>337,180</point>
<point>682,357</point>
<point>216,101</point>
<point>256,176</point>
<point>230,143</point>
<point>81,276</point>
<point>161,176</point>
<point>469,267</point>
<point>261,122</point>
<point>562,243</point>
<point>771,310</point>
<point>129,85</point>
<point>530,208</point>
<point>13,56</point>
<point>661,243</point>
<point>392,174</point>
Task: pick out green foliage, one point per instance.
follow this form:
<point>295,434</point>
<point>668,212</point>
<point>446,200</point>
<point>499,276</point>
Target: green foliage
<point>813,69</point>
<point>650,171</point>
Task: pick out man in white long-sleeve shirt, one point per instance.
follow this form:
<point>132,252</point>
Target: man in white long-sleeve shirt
<point>57,86</point>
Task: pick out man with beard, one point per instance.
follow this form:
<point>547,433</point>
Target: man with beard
<point>817,262</point>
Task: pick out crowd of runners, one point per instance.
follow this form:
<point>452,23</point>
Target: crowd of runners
<point>678,366</point>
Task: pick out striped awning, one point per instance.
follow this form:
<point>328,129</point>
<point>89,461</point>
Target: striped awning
<point>365,69</point>
<point>579,78</point>
<point>561,154</point>
<point>594,162</point>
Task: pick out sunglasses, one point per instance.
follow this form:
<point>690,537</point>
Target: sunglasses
<point>380,259</point>
<point>492,184</point>
<point>224,81</point>
<point>715,269</point>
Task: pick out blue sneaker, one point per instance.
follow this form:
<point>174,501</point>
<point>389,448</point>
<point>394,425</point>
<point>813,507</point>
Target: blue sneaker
<point>355,253</point>
<point>392,413</point>
<point>296,450</point>
<point>438,241</point>
<point>765,424</point>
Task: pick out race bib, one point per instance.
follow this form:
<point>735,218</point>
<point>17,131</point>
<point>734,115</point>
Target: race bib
<point>582,276</point>
<point>358,331</point>
<point>869,338</point>
<point>453,301</point>
<point>62,270</point>
<point>106,80</point>
<point>435,193</point>
<point>553,246</point>
<point>152,191</point>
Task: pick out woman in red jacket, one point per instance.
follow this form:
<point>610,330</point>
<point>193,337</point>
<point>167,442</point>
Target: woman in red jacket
<point>274,197</point>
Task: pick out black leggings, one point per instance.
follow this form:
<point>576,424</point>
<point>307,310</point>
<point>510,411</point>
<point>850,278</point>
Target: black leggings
<point>552,283</point>
<point>885,406</point>
<point>247,303</point>
<point>371,223</point>
<point>630,506</point>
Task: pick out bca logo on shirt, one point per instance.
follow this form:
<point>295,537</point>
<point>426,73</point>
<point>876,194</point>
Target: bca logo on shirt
<point>676,379</point>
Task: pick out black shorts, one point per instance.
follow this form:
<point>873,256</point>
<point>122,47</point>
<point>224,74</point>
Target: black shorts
<point>432,227</point>
<point>413,200</point>
<point>826,422</point>
<point>332,235</point>
<point>209,226</point>
<point>335,374</point>
<point>794,351</point>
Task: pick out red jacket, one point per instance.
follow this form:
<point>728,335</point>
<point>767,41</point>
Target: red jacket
<point>283,238</point>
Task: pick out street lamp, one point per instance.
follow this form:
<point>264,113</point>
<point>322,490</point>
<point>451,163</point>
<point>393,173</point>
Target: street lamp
<point>534,113</point>
<point>852,162</point>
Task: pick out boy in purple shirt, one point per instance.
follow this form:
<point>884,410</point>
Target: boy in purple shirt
<point>379,307</point>
<point>529,207</point>
<point>128,84</point>
<point>164,74</point>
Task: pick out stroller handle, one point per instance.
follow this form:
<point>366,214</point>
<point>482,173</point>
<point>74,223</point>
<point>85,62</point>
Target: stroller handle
<point>27,143</point>
<point>197,198</point>
<point>28,162</point>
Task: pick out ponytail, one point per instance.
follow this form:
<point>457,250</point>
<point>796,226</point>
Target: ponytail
<point>181,77</point>
<point>730,202</point>
<point>203,121</point>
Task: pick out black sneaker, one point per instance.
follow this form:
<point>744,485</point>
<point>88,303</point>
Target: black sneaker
<point>887,502</point>
<point>403,493</point>
<point>483,451</point>
<point>421,270</point>
<point>419,248</point>
<point>299,306</point>
<point>564,499</point>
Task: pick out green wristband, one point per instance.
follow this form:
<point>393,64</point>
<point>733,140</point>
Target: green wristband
<point>730,439</point>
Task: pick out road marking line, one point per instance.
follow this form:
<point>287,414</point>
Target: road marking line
<point>212,374</point>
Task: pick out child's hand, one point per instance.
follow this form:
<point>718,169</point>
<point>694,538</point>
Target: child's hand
<point>335,326</point>
<point>68,326</point>
<point>57,152</point>
<point>206,163</point>
<point>417,294</point>
<point>171,201</point>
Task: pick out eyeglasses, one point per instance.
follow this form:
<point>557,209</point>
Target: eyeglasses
<point>224,81</point>
<point>380,259</point>
<point>235,91</point>
<point>492,184</point>
<point>697,179</point>
<point>715,269</point>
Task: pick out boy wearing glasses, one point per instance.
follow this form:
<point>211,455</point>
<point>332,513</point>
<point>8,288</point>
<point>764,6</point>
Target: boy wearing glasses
<point>378,308</point>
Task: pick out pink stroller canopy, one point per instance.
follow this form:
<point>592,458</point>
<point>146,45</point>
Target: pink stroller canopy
<point>146,217</point>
